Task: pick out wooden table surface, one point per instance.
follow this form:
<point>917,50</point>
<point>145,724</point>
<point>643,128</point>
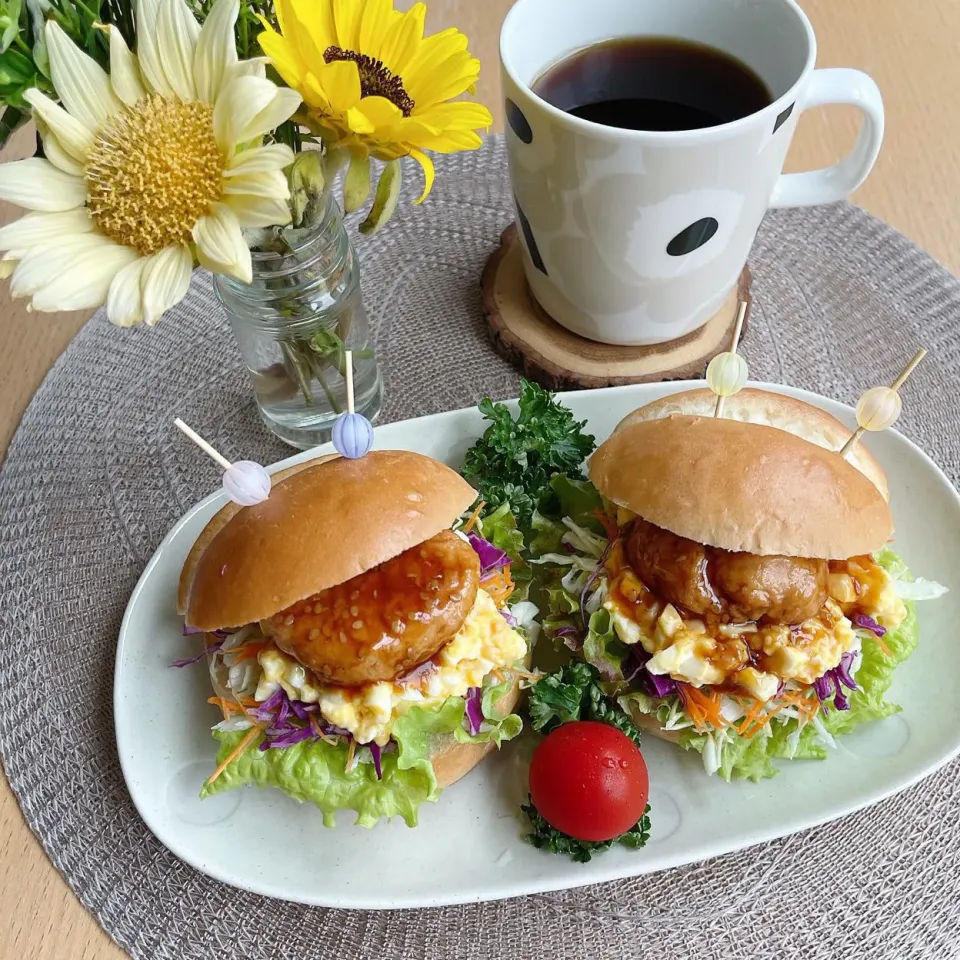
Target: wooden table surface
<point>909,48</point>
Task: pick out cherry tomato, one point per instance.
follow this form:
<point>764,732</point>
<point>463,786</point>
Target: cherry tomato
<point>589,781</point>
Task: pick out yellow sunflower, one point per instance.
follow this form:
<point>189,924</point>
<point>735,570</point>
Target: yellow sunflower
<point>149,168</point>
<point>372,82</point>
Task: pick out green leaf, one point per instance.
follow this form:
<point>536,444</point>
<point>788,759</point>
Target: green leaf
<point>315,771</point>
<point>545,837</point>
<point>579,500</point>
<point>516,458</point>
<point>385,200</point>
<point>603,648</point>
<point>307,182</point>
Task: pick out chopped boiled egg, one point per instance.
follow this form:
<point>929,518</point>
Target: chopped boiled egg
<point>484,643</point>
<point>759,684</point>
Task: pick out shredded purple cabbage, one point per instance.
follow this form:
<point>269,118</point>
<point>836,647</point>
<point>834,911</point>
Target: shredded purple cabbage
<point>833,682</point>
<point>491,557</point>
<point>868,623</point>
<point>510,618</point>
<point>212,648</point>
<point>375,752</point>
<point>635,670</point>
<point>190,631</point>
<point>474,710</point>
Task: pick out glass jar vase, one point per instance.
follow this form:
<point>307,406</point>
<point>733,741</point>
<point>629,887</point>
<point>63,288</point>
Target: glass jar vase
<point>293,323</point>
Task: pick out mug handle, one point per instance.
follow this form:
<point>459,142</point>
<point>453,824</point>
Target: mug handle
<point>837,85</point>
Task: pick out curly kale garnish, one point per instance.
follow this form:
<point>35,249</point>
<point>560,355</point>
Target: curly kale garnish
<point>574,693</point>
<point>545,837</point>
<point>515,459</point>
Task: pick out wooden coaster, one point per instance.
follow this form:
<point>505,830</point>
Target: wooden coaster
<point>526,335</point>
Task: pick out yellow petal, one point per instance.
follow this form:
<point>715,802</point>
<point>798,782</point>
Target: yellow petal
<point>259,211</point>
<point>383,114</point>
<point>220,244</point>
<point>346,20</point>
<point>216,49</point>
<point>81,83</point>
<point>177,35</point>
<point>284,56</point>
<point>450,141</point>
<point>124,70</point>
<point>313,94</point>
<point>37,229</point>
<point>315,17</point>
<point>125,297</point>
<point>37,184</point>
<point>247,108</point>
<point>270,183</point>
<point>444,86</point>
<point>377,17</point>
<point>75,138</point>
<point>358,122</point>
<point>428,172</point>
<point>403,41</point>
<point>275,156</point>
<point>148,51</point>
<point>438,55</point>
<point>341,83</point>
<point>165,281</point>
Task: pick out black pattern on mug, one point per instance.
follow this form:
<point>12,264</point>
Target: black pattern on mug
<point>783,117</point>
<point>518,122</point>
<point>693,237</point>
<point>532,247</point>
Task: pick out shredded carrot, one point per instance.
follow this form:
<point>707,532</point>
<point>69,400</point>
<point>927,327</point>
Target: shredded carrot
<point>613,531</point>
<point>248,651</point>
<point>499,585</point>
<point>351,751</point>
<point>316,729</point>
<point>702,707</point>
<point>237,751</point>
<point>752,716</point>
<point>886,650</point>
<point>227,706</point>
<point>472,522</point>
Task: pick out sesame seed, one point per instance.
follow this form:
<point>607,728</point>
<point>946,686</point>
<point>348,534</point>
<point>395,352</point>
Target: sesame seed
<point>314,633</point>
<point>288,620</point>
<point>343,637</point>
<point>357,624</point>
<point>354,611</point>
<point>354,594</point>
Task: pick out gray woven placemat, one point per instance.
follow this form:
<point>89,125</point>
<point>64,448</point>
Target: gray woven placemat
<point>95,477</point>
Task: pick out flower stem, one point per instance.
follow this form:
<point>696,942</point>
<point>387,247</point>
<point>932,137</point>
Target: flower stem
<point>290,354</point>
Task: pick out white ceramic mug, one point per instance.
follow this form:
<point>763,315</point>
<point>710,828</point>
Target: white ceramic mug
<point>608,215</point>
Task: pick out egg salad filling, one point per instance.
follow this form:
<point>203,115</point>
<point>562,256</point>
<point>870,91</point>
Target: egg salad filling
<point>485,643</point>
<point>750,657</point>
<point>742,695</point>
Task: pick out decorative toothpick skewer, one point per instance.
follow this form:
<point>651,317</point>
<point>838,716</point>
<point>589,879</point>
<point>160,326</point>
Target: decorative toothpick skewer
<point>245,482</point>
<point>880,407</point>
<point>727,372</point>
<point>352,431</point>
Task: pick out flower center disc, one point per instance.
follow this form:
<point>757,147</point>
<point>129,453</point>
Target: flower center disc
<point>153,172</point>
<point>375,79</point>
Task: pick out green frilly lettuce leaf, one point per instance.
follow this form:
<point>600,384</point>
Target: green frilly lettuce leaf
<point>314,771</point>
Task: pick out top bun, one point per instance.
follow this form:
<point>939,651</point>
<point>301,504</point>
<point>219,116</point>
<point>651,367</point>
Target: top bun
<point>743,487</point>
<point>325,522</point>
<point>772,410</point>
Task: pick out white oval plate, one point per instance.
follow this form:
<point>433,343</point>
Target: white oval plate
<point>468,846</point>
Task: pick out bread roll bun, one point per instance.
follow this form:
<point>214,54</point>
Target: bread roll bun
<point>743,487</point>
<point>452,760</point>
<point>771,410</point>
<point>325,522</point>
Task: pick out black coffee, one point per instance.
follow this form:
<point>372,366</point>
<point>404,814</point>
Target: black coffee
<point>654,83</point>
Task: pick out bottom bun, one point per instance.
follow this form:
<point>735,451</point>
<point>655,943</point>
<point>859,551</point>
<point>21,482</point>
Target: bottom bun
<point>452,761</point>
<point>650,724</point>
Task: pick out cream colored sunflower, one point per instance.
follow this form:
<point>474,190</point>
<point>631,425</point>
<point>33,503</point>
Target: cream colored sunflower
<point>372,83</point>
<point>148,169</point>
